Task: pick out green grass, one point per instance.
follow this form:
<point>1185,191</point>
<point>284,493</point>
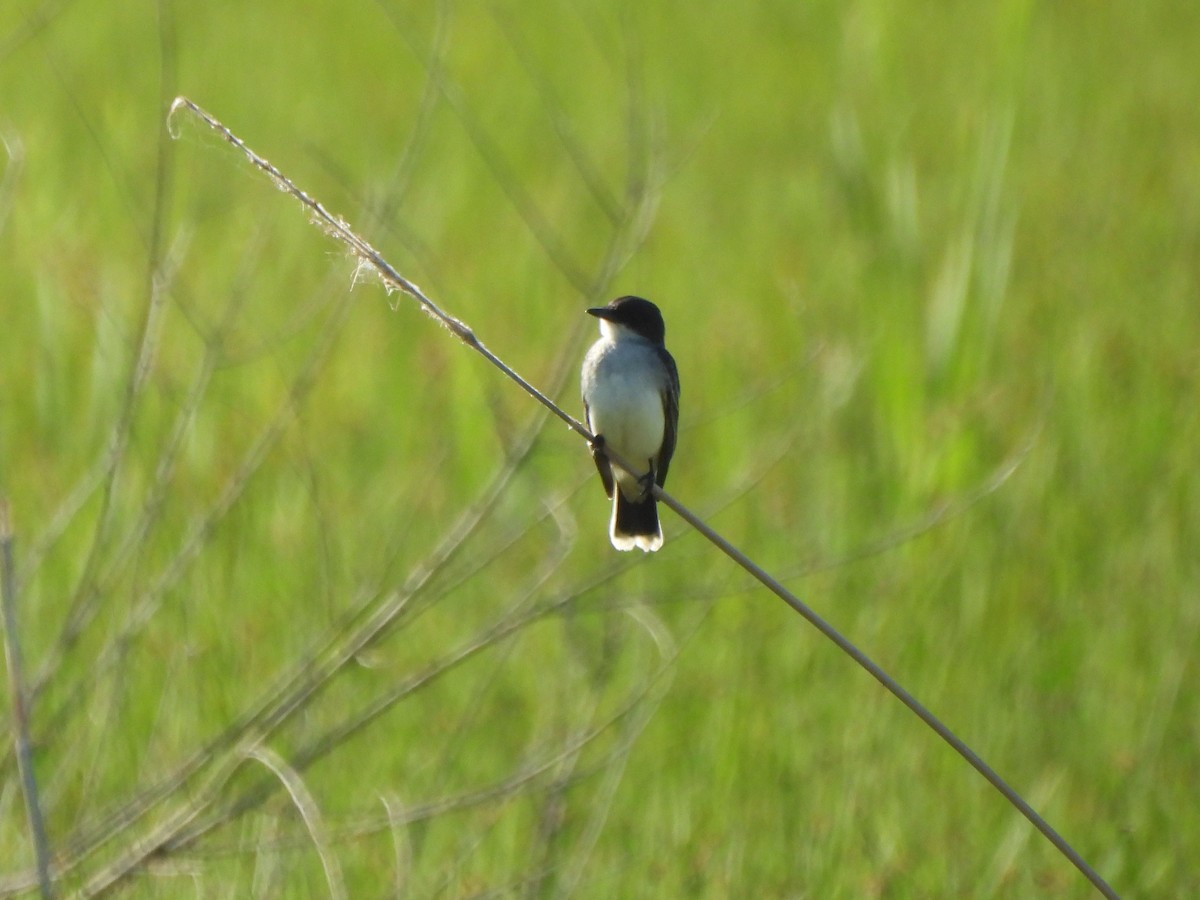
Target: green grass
<point>898,249</point>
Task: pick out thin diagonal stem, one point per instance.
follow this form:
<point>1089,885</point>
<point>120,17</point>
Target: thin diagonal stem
<point>393,280</point>
<point>892,685</point>
<point>371,257</point>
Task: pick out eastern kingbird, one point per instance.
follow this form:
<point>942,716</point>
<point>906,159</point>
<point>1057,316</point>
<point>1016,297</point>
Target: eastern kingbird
<point>631,402</point>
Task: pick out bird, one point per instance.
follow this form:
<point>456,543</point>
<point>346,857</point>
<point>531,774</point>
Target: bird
<point>630,388</point>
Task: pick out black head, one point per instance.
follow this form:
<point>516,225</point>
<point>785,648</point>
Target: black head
<point>638,315</point>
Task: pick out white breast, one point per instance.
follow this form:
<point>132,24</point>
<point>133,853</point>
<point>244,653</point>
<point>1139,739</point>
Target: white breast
<point>622,386</point>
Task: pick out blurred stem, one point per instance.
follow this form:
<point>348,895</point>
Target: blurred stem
<point>20,720</point>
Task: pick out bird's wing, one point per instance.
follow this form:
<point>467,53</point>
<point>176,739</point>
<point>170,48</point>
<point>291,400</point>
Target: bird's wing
<point>670,401</point>
<point>603,466</point>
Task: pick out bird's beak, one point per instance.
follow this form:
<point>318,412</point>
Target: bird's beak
<point>600,312</point>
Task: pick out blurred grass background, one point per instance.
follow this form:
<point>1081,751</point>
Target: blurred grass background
<point>900,250</point>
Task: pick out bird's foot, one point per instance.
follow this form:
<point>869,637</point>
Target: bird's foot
<point>646,482</point>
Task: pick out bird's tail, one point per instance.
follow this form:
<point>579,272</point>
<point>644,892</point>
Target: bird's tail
<point>635,523</point>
